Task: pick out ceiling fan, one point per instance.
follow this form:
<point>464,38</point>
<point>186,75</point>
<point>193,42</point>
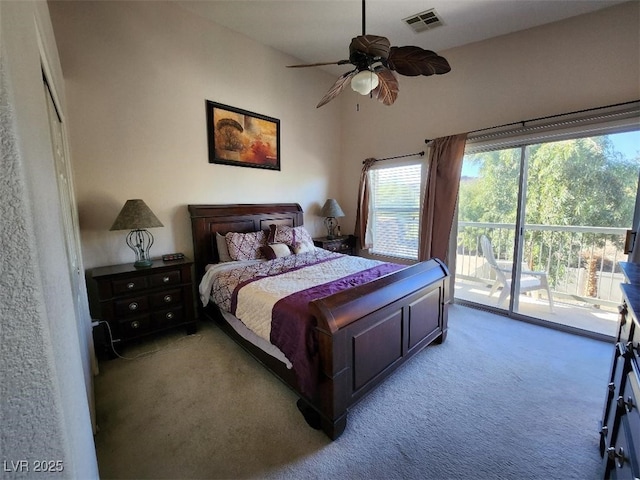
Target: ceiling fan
<point>375,60</point>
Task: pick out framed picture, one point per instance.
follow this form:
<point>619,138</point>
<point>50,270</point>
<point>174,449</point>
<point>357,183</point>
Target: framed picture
<point>242,138</point>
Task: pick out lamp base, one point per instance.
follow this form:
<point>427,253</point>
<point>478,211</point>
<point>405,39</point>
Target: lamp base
<point>143,263</point>
<point>331,223</point>
<point>140,242</point>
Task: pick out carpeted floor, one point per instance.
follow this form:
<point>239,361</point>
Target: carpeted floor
<point>500,399</point>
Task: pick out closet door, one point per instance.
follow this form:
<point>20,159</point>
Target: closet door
<point>72,242</point>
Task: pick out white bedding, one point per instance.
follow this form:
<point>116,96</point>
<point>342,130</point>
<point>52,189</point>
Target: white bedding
<point>247,291</point>
<point>242,330</point>
<point>256,299</point>
<point>212,270</point>
<point>247,334</point>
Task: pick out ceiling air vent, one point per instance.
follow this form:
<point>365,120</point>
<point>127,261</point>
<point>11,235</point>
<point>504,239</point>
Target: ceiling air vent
<point>423,21</point>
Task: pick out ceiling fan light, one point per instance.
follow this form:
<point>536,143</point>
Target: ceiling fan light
<point>364,82</point>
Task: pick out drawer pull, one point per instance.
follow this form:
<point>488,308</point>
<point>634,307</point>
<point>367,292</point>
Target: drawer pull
<point>168,298</point>
<point>604,430</point>
<point>611,387</point>
<point>617,456</point>
<point>165,279</point>
<point>135,324</point>
<point>130,285</point>
<point>133,306</point>
<point>628,405</point>
<point>169,316</point>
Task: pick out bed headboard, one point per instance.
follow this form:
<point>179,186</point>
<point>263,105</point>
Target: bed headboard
<point>207,220</point>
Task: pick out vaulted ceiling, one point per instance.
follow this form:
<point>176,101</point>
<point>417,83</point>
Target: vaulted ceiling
<point>320,30</point>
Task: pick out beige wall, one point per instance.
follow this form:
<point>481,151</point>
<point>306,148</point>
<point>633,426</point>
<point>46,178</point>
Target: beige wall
<point>137,75</point>
<point>588,61</point>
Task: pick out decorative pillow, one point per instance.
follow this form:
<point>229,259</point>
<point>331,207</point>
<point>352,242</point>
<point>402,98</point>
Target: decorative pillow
<point>246,246</point>
<point>292,235</point>
<point>276,250</point>
<point>223,249</point>
<point>302,247</point>
<point>271,238</point>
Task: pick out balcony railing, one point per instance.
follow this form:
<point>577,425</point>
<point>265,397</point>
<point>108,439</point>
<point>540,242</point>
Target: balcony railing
<point>581,261</point>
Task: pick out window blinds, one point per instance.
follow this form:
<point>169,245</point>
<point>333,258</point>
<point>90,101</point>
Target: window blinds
<point>586,123</point>
<point>395,209</point>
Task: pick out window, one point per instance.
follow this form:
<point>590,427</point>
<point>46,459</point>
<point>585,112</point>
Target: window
<point>558,197</point>
<point>396,196</point>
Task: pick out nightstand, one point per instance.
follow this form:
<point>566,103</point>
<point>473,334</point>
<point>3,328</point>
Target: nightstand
<point>345,244</point>
<point>141,301</point>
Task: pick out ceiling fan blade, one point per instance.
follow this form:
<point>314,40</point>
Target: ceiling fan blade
<point>387,89</point>
<point>339,62</point>
<point>413,61</point>
<point>337,87</point>
<point>371,45</point>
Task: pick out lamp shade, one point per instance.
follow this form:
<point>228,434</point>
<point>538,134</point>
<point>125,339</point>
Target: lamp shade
<point>331,208</point>
<point>135,215</point>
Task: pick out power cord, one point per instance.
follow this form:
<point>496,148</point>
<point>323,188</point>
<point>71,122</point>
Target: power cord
<point>143,354</point>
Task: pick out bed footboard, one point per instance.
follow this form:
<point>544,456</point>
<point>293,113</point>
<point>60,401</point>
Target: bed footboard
<point>367,332</point>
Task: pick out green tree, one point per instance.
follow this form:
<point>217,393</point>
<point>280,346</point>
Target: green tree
<point>578,182</point>
<point>581,182</point>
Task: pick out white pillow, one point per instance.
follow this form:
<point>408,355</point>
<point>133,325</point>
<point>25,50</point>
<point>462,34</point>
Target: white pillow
<point>302,247</point>
<point>223,249</point>
<point>276,250</point>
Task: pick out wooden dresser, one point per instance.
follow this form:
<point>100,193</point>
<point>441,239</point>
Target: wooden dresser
<point>141,301</point>
<point>620,424</point>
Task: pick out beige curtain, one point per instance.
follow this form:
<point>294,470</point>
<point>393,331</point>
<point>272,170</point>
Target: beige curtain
<point>362,214</point>
<point>441,194</point>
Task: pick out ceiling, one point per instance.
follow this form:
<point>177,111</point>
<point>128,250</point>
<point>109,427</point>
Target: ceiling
<point>321,30</point>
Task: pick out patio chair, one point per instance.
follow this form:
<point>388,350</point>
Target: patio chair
<point>529,280</point>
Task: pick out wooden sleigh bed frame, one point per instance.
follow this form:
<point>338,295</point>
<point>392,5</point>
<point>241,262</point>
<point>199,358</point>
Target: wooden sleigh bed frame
<point>364,333</point>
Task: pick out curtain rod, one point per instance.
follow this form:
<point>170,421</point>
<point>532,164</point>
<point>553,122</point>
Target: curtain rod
<point>400,156</point>
<point>522,122</point>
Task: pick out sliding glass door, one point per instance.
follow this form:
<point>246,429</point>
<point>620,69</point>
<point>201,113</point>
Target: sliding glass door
<point>487,213</point>
<point>541,228</point>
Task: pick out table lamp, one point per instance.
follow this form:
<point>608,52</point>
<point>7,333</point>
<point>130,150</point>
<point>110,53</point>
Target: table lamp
<point>137,217</point>
<point>330,211</point>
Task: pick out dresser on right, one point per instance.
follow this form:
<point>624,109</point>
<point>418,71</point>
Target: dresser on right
<point>620,424</point>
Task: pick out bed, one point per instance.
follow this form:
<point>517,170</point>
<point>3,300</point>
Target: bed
<point>361,334</point>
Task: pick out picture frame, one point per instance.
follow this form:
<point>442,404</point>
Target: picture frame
<point>242,138</point>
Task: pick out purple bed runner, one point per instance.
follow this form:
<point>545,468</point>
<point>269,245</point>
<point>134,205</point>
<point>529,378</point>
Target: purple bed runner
<point>292,327</point>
